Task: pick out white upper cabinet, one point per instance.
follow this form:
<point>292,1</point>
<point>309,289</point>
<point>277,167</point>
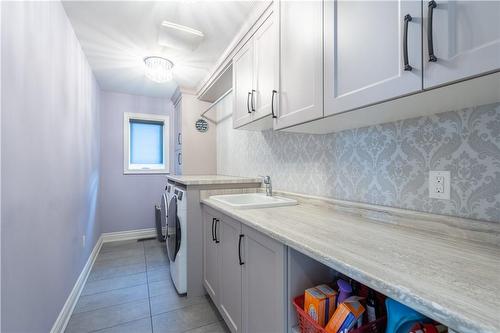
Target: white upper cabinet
<point>254,78</point>
<point>243,91</point>
<point>464,37</point>
<point>265,67</point>
<point>372,52</point>
<point>322,66</point>
<point>300,92</point>
<point>178,125</point>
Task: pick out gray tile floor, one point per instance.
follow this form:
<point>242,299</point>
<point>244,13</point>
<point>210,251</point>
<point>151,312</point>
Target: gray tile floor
<point>130,290</point>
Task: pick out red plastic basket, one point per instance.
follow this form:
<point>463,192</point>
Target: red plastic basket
<point>307,325</point>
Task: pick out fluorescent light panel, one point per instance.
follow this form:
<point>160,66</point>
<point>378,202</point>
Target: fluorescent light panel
<point>182,28</point>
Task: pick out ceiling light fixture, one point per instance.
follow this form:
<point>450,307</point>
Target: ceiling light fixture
<point>173,25</point>
<point>158,69</point>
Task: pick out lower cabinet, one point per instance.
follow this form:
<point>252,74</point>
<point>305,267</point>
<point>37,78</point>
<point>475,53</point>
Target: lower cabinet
<point>228,233</point>
<point>244,274</point>
<point>210,263</point>
<point>263,283</point>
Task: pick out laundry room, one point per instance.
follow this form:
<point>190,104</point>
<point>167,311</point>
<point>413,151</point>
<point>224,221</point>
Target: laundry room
<point>237,166</point>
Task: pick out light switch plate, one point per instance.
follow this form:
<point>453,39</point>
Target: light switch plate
<point>439,185</point>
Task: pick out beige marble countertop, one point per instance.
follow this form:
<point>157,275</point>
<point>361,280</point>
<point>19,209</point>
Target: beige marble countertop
<point>212,180</point>
<point>453,280</point>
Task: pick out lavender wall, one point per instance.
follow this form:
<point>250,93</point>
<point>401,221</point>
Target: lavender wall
<point>50,163</point>
<point>127,201</point>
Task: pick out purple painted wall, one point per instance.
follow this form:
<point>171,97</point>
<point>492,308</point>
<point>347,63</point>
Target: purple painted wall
<point>50,163</point>
<point>126,201</point>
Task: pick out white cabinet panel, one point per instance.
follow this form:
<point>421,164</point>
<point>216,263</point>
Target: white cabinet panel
<point>228,233</point>
<point>364,52</point>
<point>210,255</point>
<point>244,274</point>
<point>301,62</point>
<point>178,125</point>
<point>466,40</point>
<point>265,67</point>
<point>178,162</point>
<point>244,101</point>
<point>263,283</point>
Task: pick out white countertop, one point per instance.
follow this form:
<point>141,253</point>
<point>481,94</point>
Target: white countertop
<point>452,280</point>
<point>212,180</point>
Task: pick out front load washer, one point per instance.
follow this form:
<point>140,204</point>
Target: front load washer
<point>165,200</point>
<point>176,239</point>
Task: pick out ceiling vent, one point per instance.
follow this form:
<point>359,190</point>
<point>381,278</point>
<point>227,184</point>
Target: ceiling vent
<point>179,37</point>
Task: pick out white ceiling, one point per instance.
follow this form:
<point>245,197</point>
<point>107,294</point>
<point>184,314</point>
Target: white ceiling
<point>117,35</point>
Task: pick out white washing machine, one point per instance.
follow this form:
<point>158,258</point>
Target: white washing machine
<point>176,239</point>
<point>164,202</point>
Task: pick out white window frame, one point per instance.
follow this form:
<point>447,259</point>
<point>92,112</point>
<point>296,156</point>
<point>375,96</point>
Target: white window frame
<point>145,168</point>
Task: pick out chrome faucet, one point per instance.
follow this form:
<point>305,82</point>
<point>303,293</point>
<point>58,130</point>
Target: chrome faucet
<point>269,185</point>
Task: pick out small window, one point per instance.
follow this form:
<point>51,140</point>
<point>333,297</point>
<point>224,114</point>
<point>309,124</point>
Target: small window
<point>145,143</point>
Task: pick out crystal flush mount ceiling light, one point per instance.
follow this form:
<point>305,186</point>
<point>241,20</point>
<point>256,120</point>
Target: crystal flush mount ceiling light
<point>158,69</point>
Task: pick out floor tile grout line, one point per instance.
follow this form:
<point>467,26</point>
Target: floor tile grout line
<point>194,328</point>
<point>110,306</point>
<point>149,294</point>
<point>103,262</point>
<point>177,309</point>
<point>109,290</point>
<point>117,266</point>
<point>125,322</point>
<point>118,275</point>
<point>121,253</point>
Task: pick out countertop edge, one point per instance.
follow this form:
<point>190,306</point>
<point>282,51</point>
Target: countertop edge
<point>196,182</point>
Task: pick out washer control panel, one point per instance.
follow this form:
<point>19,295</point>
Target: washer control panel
<point>179,194</point>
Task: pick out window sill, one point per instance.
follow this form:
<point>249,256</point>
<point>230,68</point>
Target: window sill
<point>146,172</point>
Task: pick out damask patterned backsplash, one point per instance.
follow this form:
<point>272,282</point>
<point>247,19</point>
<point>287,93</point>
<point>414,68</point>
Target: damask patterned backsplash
<point>385,164</point>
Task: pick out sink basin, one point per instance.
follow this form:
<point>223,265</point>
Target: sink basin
<point>253,200</point>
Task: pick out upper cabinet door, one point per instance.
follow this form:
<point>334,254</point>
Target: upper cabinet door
<point>300,94</point>
<point>464,37</point>
<point>178,125</point>
<point>265,41</point>
<point>243,91</point>
<point>372,52</point>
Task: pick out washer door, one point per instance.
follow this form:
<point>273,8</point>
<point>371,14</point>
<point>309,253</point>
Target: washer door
<point>173,230</point>
<point>164,213</point>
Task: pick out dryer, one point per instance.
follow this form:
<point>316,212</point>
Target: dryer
<point>164,202</point>
<point>177,239</point>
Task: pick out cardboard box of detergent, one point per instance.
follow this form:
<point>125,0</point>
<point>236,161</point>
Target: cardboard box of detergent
<point>346,315</point>
<point>331,295</point>
<point>317,305</point>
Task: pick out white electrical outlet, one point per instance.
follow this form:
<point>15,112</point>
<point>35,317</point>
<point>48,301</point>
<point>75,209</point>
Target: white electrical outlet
<point>439,185</point>
<point>83,240</point>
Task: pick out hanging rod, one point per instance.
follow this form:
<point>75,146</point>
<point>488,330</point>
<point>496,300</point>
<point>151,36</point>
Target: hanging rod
<point>211,106</point>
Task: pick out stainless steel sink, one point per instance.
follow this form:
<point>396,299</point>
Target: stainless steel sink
<point>253,200</point>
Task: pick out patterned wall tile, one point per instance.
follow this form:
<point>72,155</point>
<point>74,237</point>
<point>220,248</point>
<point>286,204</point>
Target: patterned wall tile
<point>385,164</point>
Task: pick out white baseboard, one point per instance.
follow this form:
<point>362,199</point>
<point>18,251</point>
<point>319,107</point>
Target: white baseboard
<point>67,310</point>
<point>127,235</point>
<point>63,318</point>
